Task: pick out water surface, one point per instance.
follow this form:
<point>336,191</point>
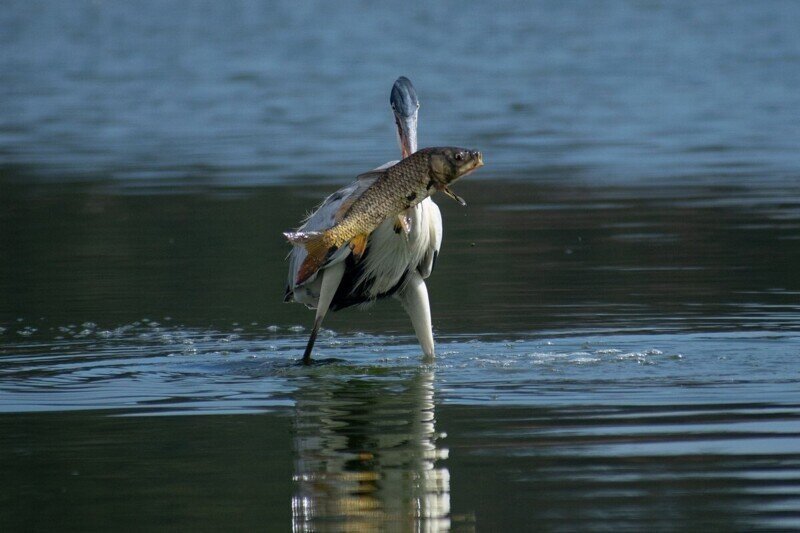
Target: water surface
<point>617,311</point>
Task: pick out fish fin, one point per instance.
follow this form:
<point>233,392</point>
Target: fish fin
<point>453,195</point>
<point>358,244</point>
<point>402,224</point>
<point>318,251</point>
<point>372,174</point>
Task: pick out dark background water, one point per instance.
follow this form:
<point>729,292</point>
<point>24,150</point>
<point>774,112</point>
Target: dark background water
<point>617,310</point>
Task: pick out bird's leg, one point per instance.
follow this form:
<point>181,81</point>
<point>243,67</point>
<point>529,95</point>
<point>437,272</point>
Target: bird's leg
<point>414,298</point>
<point>331,277</point>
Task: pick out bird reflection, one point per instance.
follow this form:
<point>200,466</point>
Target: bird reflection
<point>367,457</point>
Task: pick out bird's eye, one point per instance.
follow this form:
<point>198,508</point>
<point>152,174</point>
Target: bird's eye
<point>459,156</point>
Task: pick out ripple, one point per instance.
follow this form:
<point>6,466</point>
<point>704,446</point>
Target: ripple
<point>141,363</point>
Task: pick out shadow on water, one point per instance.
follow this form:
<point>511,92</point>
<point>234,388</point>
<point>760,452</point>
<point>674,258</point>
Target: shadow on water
<point>367,455</point>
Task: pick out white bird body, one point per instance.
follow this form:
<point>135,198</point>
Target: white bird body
<point>396,260</point>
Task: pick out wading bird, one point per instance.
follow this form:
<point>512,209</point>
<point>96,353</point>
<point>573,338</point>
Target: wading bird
<point>399,255</point>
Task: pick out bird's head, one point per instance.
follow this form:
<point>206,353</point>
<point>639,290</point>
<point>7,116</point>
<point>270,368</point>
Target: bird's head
<point>404,106</point>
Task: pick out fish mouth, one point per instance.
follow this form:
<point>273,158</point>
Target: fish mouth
<point>476,161</point>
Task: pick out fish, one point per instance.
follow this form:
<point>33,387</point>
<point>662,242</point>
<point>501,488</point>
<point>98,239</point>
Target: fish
<point>394,190</point>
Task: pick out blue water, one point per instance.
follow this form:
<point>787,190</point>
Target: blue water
<point>657,93</point>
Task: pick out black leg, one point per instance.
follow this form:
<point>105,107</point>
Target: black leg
<point>311,340</point>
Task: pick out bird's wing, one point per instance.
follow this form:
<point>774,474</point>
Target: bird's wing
<point>433,221</point>
<point>323,218</point>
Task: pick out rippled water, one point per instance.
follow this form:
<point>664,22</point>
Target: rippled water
<point>638,430</point>
<point>144,367</point>
<point>617,311</point>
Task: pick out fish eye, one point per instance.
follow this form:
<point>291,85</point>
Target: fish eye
<point>459,156</point>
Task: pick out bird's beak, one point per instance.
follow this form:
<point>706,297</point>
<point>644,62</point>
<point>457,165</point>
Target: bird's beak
<point>407,133</point>
<point>405,105</point>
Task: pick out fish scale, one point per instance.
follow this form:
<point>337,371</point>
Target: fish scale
<point>394,190</point>
<point>400,187</point>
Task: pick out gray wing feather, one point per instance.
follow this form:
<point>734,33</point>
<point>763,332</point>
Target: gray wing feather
<point>375,173</point>
<point>323,218</point>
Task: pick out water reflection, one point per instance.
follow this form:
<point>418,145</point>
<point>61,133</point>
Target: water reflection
<point>368,455</point>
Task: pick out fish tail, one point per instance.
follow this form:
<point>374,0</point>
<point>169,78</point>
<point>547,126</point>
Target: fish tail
<point>318,250</point>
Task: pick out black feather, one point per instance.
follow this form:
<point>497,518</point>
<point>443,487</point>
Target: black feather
<point>351,293</point>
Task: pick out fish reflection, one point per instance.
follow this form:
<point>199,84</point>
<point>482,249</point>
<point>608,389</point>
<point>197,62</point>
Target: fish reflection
<point>367,457</point>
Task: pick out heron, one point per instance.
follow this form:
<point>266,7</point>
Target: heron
<point>399,256</point>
